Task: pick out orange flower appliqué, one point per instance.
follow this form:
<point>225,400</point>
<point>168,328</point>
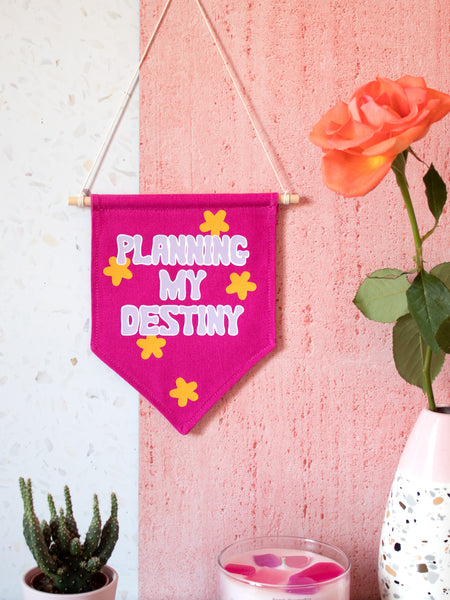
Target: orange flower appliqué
<point>361,139</point>
<point>241,285</point>
<point>152,344</point>
<point>184,392</point>
<point>117,272</point>
<point>215,223</point>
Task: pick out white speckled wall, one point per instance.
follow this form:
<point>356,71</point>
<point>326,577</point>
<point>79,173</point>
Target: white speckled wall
<point>64,416</point>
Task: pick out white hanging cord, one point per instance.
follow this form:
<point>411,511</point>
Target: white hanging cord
<point>239,89</point>
<point>85,190</point>
<point>83,198</point>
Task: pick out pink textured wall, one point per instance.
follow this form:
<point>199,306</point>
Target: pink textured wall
<point>307,442</point>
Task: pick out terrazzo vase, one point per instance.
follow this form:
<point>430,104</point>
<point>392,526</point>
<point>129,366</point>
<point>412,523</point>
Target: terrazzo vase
<point>414,558</point>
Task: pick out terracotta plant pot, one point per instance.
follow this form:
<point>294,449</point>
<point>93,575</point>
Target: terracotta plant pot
<point>107,592</point>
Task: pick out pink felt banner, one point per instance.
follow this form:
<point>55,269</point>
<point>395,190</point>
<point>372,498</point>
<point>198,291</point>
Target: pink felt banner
<point>183,294</point>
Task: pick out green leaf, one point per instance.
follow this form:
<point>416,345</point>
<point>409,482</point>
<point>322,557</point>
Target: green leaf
<point>436,192</point>
<point>442,272</point>
<point>429,304</point>
<point>409,352</point>
<point>443,335</point>
<point>382,295</point>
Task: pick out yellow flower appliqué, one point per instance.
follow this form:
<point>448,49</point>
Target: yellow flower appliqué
<point>241,285</point>
<point>117,272</point>
<point>152,344</point>
<point>215,223</point>
<point>184,391</point>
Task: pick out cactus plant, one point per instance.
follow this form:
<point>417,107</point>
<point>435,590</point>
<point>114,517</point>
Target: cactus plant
<point>57,547</point>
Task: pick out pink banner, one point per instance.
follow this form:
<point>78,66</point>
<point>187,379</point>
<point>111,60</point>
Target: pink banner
<point>183,294</point>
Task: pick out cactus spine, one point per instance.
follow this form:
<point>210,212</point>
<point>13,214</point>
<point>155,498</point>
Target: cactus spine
<point>56,545</point>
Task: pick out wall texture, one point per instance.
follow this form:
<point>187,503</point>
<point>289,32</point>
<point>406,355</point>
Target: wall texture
<point>64,416</point>
<point>306,443</point>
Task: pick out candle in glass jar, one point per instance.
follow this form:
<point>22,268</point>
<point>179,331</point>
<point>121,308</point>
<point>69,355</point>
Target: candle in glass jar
<point>283,568</point>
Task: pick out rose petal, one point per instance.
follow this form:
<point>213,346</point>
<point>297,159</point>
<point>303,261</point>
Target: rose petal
<point>353,175</point>
<point>328,125</point>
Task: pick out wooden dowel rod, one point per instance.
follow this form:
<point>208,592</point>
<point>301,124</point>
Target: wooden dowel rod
<point>86,200</point>
<point>291,199</point>
<point>79,201</point>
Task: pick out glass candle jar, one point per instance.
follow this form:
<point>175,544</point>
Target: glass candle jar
<point>283,568</point>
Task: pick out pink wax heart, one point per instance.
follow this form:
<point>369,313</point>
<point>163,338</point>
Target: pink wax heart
<point>267,560</point>
<point>237,569</point>
<point>322,571</point>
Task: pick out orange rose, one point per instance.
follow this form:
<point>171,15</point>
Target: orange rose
<point>361,139</point>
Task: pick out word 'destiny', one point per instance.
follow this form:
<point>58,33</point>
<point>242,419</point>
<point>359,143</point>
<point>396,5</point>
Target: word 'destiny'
<point>163,320</point>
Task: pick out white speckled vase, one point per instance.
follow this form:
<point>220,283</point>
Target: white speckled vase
<point>414,559</point>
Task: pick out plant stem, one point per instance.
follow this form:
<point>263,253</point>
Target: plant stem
<point>427,378</point>
<point>399,168</point>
